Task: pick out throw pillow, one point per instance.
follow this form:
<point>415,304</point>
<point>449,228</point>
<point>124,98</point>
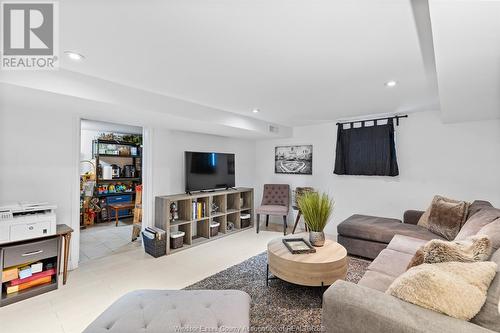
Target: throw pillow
<point>447,216</point>
<point>476,248</point>
<point>454,288</point>
<point>423,221</point>
<point>439,200</point>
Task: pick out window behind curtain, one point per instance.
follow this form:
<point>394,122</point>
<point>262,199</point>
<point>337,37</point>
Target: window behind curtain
<point>366,150</point>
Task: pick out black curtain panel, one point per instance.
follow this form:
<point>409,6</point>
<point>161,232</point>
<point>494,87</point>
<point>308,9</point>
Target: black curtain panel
<point>366,150</point>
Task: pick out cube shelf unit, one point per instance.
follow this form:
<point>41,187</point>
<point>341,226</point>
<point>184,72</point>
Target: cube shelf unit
<point>231,204</point>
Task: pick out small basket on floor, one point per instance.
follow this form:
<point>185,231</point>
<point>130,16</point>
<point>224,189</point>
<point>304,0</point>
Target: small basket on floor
<point>155,247</point>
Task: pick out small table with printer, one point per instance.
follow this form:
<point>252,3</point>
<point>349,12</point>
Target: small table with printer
<point>31,249</point>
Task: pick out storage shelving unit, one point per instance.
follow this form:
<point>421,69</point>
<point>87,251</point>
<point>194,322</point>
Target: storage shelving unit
<point>230,203</point>
<point>135,160</point>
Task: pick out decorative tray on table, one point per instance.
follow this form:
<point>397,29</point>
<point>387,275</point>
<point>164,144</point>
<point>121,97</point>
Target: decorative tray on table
<point>298,245</point>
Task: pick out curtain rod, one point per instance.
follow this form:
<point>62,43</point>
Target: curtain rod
<point>375,119</point>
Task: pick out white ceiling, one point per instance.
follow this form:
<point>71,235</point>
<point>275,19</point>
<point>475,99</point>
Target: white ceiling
<point>299,61</point>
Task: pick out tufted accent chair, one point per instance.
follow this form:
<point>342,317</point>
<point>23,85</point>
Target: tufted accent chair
<point>275,201</point>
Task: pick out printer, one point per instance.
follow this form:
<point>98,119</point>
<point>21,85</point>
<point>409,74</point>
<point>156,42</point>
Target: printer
<point>23,220</point>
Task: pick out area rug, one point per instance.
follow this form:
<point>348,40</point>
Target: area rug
<point>282,306</point>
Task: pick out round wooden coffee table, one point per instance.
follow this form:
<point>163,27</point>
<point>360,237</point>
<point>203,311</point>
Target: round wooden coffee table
<point>322,268</point>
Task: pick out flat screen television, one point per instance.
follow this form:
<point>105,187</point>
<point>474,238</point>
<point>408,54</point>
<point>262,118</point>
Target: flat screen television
<point>209,171</point>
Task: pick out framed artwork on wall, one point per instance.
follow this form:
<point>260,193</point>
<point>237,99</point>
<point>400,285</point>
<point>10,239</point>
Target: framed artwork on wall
<point>295,160</point>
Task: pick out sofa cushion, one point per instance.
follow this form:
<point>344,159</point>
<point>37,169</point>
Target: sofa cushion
<point>423,221</point>
<point>381,229</point>
<point>477,221</point>
<point>391,262</point>
<point>376,280</point>
<point>361,247</point>
<point>155,311</point>
<point>476,206</point>
<point>453,288</point>
<point>489,317</point>
<point>272,210</point>
<point>406,244</point>
<point>492,230</point>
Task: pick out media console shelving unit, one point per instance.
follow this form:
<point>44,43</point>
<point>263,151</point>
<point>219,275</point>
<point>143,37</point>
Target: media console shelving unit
<point>231,205</point>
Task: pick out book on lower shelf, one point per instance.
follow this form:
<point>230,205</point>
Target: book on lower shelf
<point>34,277</point>
<point>30,282</point>
<point>28,275</point>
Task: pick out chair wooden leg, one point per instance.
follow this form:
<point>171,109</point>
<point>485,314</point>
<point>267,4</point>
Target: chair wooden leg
<point>284,225</point>
<point>267,220</point>
<point>296,222</point>
<point>258,222</point>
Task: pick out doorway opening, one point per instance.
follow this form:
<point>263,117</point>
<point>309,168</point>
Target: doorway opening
<point>111,170</point>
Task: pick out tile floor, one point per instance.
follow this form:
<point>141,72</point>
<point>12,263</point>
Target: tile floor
<point>104,239</point>
<point>97,283</point>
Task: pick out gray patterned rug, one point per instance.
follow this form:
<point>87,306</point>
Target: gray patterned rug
<point>281,307</point>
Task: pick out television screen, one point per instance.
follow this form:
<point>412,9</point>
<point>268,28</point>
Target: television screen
<point>208,171</point>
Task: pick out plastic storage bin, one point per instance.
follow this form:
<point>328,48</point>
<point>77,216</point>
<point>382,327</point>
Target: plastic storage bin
<point>214,229</point>
<point>177,239</point>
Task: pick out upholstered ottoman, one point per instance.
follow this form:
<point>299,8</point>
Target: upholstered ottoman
<point>162,311</point>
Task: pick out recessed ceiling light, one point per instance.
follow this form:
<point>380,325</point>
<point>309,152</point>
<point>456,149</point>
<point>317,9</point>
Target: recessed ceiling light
<point>74,56</point>
<point>391,83</point>
<point>255,110</point>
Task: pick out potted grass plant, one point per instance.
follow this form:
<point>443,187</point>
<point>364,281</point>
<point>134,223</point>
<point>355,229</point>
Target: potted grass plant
<point>316,209</point>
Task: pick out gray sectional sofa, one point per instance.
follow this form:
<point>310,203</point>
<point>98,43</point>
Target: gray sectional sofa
<point>364,307</point>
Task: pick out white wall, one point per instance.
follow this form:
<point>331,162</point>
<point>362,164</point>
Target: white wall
<point>40,148</point>
<point>39,161</point>
<point>168,158</point>
<point>457,160</point>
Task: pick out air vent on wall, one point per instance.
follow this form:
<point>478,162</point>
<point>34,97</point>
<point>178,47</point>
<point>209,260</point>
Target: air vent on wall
<point>274,129</point>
